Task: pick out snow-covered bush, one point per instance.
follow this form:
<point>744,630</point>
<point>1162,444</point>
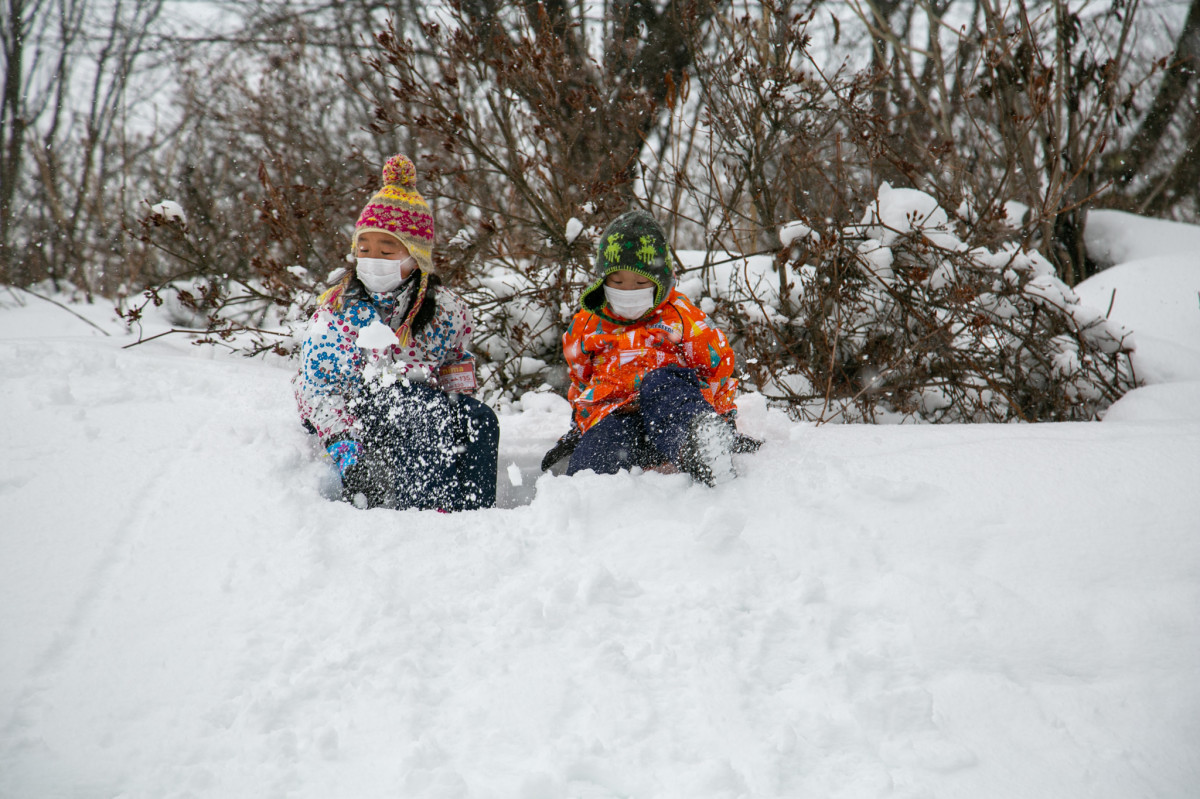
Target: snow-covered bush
<point>895,318</point>
<point>520,313</point>
<point>526,145</point>
<point>244,274</point>
<point>899,318</point>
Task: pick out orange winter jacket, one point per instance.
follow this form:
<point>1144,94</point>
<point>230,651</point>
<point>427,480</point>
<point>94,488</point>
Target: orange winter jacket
<point>608,360</point>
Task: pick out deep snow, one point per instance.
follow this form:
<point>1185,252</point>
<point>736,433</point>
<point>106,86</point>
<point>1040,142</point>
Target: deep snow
<point>914,611</point>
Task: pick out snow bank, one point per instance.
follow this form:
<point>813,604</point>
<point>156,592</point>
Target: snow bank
<point>1115,237</point>
<point>1169,402</point>
<point>983,611</point>
<point>1159,299</point>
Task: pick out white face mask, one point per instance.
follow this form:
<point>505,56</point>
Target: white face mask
<point>629,303</point>
<point>381,275</point>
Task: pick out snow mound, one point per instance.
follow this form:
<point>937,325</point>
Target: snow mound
<point>895,212</point>
<point>1115,237</point>
<point>1159,300</point>
<point>1166,402</point>
<point>792,231</point>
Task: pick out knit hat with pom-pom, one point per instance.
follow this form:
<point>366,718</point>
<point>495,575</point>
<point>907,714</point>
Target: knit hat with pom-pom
<point>399,209</point>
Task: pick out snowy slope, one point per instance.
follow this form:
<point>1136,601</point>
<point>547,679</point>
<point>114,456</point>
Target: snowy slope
<point>989,611</point>
<point>1154,289</point>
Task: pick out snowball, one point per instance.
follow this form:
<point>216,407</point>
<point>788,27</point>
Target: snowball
<point>375,373</point>
<point>376,336</point>
<point>574,228</point>
<point>514,474</point>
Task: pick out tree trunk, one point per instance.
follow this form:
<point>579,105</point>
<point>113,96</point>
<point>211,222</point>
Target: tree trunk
<point>12,128</point>
<point>1185,63</point>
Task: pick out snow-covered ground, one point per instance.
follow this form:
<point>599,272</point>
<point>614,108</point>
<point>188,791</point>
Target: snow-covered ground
<point>916,611</point>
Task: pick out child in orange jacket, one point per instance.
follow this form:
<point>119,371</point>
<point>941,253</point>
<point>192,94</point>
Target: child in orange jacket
<point>651,378</point>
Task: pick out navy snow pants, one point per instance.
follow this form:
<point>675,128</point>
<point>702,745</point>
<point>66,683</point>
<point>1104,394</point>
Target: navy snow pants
<point>437,450</point>
<point>668,400</point>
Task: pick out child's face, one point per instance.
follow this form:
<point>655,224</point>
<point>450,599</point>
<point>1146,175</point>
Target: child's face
<point>376,244</point>
<point>624,280</point>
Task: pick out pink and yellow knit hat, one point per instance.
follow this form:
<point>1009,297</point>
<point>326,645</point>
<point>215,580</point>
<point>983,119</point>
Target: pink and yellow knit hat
<point>399,209</point>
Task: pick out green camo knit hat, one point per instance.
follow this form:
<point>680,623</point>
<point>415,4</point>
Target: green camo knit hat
<point>632,241</point>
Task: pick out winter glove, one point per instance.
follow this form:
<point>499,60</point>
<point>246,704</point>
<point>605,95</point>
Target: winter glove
<point>563,449</point>
<point>345,453</point>
<point>359,489</point>
<point>742,444</point>
<point>357,486</point>
<point>366,478</point>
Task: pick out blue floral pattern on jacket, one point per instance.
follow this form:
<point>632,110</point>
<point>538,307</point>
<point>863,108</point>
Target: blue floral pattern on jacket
<point>332,364</point>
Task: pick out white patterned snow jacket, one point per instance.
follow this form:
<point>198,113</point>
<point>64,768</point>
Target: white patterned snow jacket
<point>331,363</point>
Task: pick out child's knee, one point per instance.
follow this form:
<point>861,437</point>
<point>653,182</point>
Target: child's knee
<point>608,447</point>
<point>599,461</point>
<point>480,422</point>
<point>671,375</point>
<point>483,416</point>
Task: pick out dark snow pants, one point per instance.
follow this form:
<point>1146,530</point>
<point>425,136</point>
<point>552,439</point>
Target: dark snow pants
<point>668,400</point>
<point>430,449</point>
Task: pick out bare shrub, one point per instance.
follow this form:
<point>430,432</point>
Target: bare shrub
<point>533,125</point>
<point>536,116</point>
<point>899,319</point>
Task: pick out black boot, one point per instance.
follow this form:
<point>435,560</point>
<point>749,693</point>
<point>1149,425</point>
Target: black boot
<point>370,483</point>
<point>707,452</point>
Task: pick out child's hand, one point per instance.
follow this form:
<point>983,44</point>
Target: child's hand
<point>658,337</point>
<point>665,338</point>
<point>345,453</point>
